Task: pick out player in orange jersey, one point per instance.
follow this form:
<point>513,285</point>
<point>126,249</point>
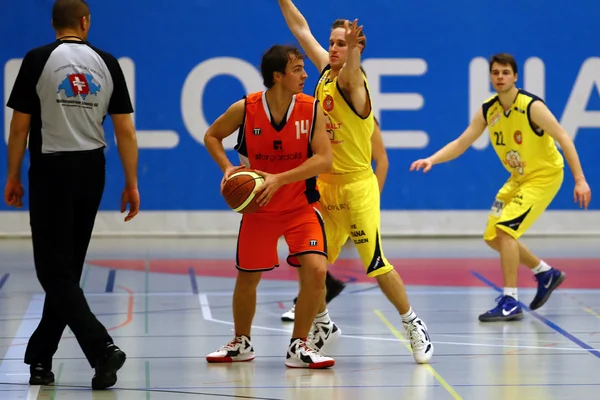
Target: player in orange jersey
<point>282,135</point>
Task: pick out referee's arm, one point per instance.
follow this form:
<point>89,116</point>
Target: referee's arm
<point>23,102</point>
<point>120,109</point>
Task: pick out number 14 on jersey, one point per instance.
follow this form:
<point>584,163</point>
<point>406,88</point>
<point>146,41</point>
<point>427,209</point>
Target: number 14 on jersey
<point>301,128</point>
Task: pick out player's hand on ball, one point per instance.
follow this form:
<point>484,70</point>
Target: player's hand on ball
<point>582,194</point>
<point>268,188</point>
<point>228,172</point>
<point>424,164</point>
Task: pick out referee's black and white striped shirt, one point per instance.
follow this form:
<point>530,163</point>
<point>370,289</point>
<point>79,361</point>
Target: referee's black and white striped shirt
<point>68,87</point>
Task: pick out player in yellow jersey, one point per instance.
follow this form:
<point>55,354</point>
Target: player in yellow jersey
<point>523,133</point>
<point>379,155</point>
<point>350,191</point>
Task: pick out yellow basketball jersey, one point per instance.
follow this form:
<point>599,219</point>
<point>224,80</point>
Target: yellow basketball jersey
<point>524,149</point>
<point>349,133</point>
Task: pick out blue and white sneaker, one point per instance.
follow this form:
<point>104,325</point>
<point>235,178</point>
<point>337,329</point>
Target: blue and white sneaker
<point>508,309</point>
<point>547,282</point>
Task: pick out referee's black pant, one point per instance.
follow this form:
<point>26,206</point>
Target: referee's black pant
<point>64,195</point>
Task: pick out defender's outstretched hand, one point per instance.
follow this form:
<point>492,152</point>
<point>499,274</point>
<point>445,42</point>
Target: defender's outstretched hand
<point>582,194</point>
<point>424,164</point>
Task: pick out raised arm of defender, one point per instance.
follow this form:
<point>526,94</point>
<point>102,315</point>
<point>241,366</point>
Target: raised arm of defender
<point>300,29</point>
<point>351,78</point>
<point>456,147</point>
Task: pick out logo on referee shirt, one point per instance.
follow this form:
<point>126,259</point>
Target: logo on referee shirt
<point>81,85</point>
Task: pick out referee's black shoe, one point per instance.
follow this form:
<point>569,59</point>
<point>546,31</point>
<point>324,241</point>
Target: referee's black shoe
<point>107,367</point>
<point>40,375</point>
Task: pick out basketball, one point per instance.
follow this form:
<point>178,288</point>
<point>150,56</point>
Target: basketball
<point>239,191</point>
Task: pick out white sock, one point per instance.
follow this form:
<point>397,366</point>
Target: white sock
<point>542,267</point>
<point>322,317</point>
<point>512,292</point>
<point>409,316</point>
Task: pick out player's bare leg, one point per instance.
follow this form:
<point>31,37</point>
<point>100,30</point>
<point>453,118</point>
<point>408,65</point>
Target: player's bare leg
<point>301,352</point>
<point>415,329</point>
<point>526,257</point>
<point>392,286</point>
<point>312,292</point>
<point>244,301</point>
<point>244,308</point>
<point>548,278</point>
<point>509,258</point>
<point>508,307</point>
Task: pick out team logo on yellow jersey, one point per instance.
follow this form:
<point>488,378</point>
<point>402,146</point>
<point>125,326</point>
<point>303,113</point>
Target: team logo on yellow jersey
<point>328,103</point>
<point>518,137</point>
<point>513,160</point>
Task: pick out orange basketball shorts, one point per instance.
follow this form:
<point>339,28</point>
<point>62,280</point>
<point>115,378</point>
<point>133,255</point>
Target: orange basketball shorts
<point>259,233</point>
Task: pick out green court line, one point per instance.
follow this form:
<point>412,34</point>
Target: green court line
<point>147,286</point>
<point>147,380</point>
<point>56,381</point>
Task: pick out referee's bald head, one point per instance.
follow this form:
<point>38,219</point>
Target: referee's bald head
<point>69,14</point>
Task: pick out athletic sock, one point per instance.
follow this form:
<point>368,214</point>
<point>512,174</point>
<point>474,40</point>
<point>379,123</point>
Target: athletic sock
<point>409,316</point>
<point>512,292</point>
<point>541,267</point>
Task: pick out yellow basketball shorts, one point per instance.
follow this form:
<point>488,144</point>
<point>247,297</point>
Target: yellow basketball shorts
<point>349,205</point>
<point>519,204</point>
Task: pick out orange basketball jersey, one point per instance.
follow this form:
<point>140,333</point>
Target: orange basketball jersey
<point>274,148</point>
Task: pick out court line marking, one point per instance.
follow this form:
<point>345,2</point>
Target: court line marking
<point>147,285</point>
<point>33,392</point>
<point>545,320</point>
<point>194,282</point>
<point>57,381</point>
<point>587,308</point>
<point>590,311</point>
<point>435,374</point>
<point>205,306</point>
<point>3,280</point>
<point>110,281</point>
<point>207,315</point>
<point>147,365</point>
<point>130,303</point>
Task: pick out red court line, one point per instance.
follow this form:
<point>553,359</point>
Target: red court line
<point>130,303</point>
<point>581,272</point>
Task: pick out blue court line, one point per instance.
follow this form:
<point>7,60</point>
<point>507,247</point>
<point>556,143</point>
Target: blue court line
<point>192,273</point>
<point>110,282</point>
<point>542,318</point>
<point>3,280</point>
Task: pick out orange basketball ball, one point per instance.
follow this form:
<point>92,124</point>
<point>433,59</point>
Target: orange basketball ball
<point>240,189</point>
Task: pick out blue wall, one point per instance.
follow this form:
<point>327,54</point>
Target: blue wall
<point>167,39</point>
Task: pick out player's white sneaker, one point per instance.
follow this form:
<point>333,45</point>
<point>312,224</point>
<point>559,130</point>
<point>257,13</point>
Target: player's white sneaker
<point>239,349</point>
<point>289,315</point>
<point>303,354</point>
<point>422,348</point>
<point>323,333</point>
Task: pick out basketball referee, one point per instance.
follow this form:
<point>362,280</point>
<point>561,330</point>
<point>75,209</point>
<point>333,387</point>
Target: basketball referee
<point>61,96</point>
